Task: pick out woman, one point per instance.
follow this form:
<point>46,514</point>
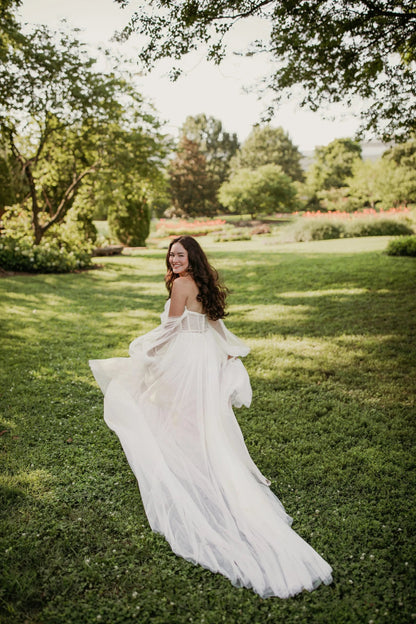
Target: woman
<point>170,404</point>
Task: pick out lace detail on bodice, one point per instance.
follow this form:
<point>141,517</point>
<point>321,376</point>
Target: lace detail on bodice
<point>193,322</point>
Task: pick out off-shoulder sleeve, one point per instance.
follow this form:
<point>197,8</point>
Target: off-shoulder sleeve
<point>153,342</point>
<point>229,342</point>
<point>144,352</point>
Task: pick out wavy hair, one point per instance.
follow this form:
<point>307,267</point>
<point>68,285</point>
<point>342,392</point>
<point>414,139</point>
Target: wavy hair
<point>212,292</point>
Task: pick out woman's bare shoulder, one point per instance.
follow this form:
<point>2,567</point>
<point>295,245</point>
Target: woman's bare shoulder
<point>183,284</point>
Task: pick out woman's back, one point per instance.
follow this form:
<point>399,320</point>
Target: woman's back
<point>184,295</point>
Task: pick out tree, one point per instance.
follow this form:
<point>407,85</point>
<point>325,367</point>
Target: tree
<point>333,50</point>
<point>397,184</point>
<point>383,183</point>
<point>264,190</point>
<point>364,185</point>
<point>403,154</point>
<point>189,181</point>
<point>217,145</point>
<point>12,186</point>
<point>333,164</point>
<point>58,117</point>
<point>10,32</point>
<point>130,221</point>
<point>130,175</point>
<point>266,145</point>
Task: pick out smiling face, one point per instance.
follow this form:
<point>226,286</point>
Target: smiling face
<point>178,259</point>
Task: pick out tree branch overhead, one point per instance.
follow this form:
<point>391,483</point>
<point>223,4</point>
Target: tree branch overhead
<point>335,51</point>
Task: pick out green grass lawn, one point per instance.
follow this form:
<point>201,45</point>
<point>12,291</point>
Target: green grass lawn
<point>331,325</point>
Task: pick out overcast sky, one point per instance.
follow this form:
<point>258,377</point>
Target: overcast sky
<point>204,87</point>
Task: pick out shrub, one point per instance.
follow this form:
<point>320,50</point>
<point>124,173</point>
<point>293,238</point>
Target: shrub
<point>320,226</point>
<point>130,222</point>
<point>310,230</point>
<point>50,256</point>
<point>79,224</point>
<point>377,227</point>
<point>405,246</point>
<point>64,247</point>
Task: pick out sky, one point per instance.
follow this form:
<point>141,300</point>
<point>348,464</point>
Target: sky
<point>217,91</point>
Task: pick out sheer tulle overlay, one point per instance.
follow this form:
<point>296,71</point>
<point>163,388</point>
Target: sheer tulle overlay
<point>170,403</point>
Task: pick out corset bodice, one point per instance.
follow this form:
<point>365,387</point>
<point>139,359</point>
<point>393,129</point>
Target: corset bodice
<point>194,322</point>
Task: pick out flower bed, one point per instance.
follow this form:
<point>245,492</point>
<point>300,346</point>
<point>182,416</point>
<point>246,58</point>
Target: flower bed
<point>338,224</point>
<point>181,227</point>
<point>401,211</point>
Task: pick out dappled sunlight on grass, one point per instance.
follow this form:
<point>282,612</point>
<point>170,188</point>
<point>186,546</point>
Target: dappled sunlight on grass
<point>35,483</point>
<point>337,292</point>
<point>302,361</point>
<point>274,313</point>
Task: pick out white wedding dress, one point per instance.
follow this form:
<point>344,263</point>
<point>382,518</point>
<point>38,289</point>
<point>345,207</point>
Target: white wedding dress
<point>170,403</point>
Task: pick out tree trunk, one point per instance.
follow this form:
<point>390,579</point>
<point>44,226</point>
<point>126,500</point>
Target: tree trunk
<point>62,209</point>
<point>36,226</point>
<point>27,172</point>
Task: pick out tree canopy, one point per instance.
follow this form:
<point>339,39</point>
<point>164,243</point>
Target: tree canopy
<point>333,164</point>
<point>10,34</point>
<point>217,146</point>
<point>265,190</point>
<point>403,154</point>
<point>60,119</point>
<point>339,179</point>
<point>334,51</point>
<point>381,184</point>
<point>266,145</point>
<point>190,184</point>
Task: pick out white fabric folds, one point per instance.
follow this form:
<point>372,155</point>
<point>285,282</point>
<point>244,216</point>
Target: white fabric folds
<point>170,403</point>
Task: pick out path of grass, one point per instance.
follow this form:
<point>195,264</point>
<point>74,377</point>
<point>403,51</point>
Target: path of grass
<point>333,364</point>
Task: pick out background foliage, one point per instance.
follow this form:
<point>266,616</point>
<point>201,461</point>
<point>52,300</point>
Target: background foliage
<point>264,190</point>
<point>130,223</point>
<point>266,145</point>
<point>190,183</point>
<point>217,146</point>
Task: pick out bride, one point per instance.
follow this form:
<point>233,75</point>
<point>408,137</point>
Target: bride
<point>170,403</point>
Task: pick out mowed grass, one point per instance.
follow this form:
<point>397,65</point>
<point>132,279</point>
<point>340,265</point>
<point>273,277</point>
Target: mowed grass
<point>331,325</point>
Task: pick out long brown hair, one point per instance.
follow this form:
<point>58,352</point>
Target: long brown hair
<point>212,292</point>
